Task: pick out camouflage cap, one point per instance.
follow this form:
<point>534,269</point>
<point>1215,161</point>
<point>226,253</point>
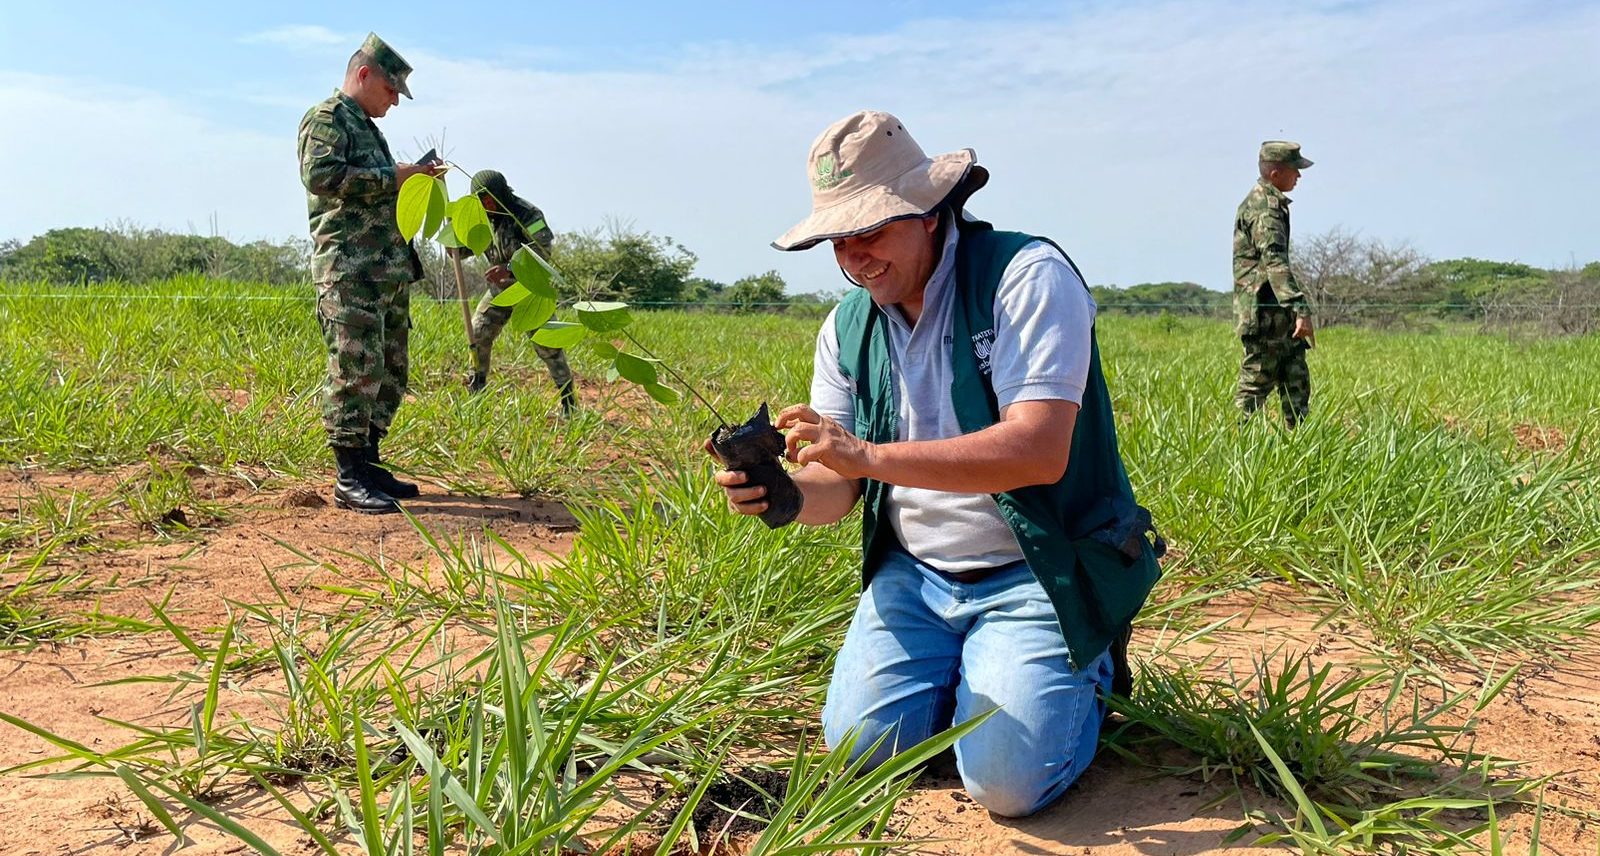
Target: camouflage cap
<point>1283,151</point>
<point>491,182</point>
<point>390,63</point>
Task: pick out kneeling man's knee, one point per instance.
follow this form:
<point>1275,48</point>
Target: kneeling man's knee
<point>1010,796</point>
<point>1019,779</point>
<point>869,732</point>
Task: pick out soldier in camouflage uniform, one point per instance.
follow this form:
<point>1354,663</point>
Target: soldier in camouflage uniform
<point>1274,319</point>
<point>516,222</point>
<point>363,269</point>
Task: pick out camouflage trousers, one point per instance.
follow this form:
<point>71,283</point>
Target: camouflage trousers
<point>367,329</point>
<point>488,322</point>
<point>1273,359</point>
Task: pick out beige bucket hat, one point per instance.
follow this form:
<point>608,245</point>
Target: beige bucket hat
<point>865,170</point>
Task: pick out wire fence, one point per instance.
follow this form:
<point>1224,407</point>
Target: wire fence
<point>1141,306</point>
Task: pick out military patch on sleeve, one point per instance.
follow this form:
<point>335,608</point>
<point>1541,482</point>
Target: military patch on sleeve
<point>322,142</point>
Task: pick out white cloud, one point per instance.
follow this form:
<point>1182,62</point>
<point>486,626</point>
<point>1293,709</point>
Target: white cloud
<point>93,155</point>
<point>298,36</point>
<point>1126,133</point>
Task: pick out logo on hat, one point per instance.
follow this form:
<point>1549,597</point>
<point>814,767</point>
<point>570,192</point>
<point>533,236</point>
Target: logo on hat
<point>828,173</point>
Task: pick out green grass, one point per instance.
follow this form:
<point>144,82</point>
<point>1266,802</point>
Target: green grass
<point>502,704</point>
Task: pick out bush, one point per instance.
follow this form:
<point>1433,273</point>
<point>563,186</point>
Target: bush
<point>762,292</point>
<point>1351,279</point>
<point>624,264</point>
<point>1156,298</point>
<point>1564,303</point>
<point>127,253</point>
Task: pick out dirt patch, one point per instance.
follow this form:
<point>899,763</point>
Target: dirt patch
<point>233,400</point>
<point>283,547</point>
<point>246,543</point>
<point>302,497</point>
<point>1539,438</point>
<point>1528,436</point>
<point>66,690</point>
<point>1116,808</point>
<point>1549,717</point>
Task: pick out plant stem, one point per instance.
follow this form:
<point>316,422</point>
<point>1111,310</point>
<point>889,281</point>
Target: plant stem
<point>721,422</point>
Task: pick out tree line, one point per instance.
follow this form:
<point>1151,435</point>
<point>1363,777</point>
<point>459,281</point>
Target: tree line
<point>614,263</point>
<point>127,253</point>
<point>1350,279</point>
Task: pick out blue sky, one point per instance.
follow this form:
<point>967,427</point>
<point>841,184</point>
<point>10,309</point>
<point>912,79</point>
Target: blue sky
<point>1127,131</point>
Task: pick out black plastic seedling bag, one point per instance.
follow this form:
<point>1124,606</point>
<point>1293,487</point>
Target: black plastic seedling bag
<point>756,448</point>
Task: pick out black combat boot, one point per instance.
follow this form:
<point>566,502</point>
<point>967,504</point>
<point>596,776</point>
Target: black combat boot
<point>351,489</point>
<point>382,479</point>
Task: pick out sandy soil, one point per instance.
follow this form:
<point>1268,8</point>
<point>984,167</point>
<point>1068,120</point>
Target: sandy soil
<point>292,535</point>
<point>1549,718</point>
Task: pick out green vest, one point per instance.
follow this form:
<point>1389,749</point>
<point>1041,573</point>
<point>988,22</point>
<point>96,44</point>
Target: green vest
<point>1096,589</point>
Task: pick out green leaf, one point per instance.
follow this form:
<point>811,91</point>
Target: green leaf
<point>534,272</point>
<point>560,334</point>
<point>370,829</point>
<point>637,369</point>
<point>513,295</point>
<point>1308,809</point>
<point>131,779</point>
<point>446,235</point>
<point>228,824</point>
<point>603,317</point>
<point>471,223</point>
<point>441,779</point>
<point>603,348</point>
<point>532,313</point>
<point>416,197</point>
<point>438,204</point>
<point>663,394</point>
<point>307,825</point>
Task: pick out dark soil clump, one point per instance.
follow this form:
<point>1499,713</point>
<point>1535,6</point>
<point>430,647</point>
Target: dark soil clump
<point>720,814</point>
<point>301,497</point>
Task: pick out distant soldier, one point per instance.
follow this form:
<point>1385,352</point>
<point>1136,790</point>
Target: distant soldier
<point>363,269</point>
<point>1274,317</point>
<point>516,222</point>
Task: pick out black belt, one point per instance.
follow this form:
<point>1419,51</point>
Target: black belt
<point>968,577</point>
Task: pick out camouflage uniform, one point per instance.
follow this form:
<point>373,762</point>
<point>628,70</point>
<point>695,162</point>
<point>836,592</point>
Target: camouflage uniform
<point>511,231</point>
<point>361,265</point>
<point>1267,299</point>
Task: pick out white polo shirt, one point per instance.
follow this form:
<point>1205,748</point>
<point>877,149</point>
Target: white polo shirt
<point>1043,316</point>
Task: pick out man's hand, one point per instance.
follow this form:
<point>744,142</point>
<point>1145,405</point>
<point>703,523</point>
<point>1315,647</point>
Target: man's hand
<point>742,500</point>
<point>499,275</point>
<point>1302,328</point>
<point>829,444</point>
<point>403,171</point>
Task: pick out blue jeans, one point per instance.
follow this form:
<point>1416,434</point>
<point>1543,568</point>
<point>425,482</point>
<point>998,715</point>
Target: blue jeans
<point>924,651</point>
